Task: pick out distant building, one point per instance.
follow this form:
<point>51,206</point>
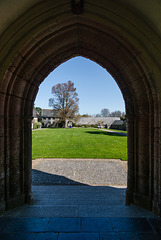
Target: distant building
<point>100,121</point>
<point>50,118</point>
<point>35,117</point>
<point>118,124</point>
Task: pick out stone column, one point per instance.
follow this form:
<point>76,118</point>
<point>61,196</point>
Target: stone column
<point>14,164</point>
<point>2,155</point>
<point>14,194</point>
<point>28,160</point>
<point>156,161</point>
<point>139,191</point>
<point>131,157</point>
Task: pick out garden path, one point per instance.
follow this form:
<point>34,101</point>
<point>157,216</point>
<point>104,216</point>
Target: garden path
<point>94,172</point>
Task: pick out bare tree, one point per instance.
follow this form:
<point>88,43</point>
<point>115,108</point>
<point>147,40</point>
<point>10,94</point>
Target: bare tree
<point>65,100</point>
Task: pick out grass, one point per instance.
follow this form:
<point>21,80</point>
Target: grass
<point>78,143</point>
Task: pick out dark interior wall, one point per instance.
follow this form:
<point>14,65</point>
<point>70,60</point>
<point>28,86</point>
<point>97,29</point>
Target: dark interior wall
<point>49,34</point>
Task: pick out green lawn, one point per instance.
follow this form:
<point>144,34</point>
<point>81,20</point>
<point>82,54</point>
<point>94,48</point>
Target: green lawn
<point>78,143</point>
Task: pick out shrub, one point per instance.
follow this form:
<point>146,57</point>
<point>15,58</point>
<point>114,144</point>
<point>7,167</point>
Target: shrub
<point>37,125</point>
<point>94,125</point>
<point>34,125</point>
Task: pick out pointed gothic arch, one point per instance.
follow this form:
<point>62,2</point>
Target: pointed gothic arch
<point>45,37</point>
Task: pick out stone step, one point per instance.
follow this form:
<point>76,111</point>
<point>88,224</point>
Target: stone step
<point>78,201</point>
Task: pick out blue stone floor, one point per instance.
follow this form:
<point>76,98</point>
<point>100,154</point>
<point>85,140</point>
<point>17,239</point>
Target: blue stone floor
<point>79,212</point>
<point>79,228</point>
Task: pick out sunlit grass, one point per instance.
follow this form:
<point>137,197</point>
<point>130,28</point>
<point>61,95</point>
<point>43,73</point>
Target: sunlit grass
<point>78,143</point>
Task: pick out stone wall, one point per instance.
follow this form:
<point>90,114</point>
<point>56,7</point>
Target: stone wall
<point>124,38</point>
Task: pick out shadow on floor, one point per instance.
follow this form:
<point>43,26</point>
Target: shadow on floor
<point>79,212</point>
<point>43,178</point>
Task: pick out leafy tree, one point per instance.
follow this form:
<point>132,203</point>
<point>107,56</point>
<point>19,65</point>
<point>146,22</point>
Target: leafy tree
<point>86,115</point>
<point>105,112</point>
<point>123,116</point>
<point>39,110</point>
<point>78,115</point>
<point>116,114</point>
<point>98,115</point>
<point>65,100</point>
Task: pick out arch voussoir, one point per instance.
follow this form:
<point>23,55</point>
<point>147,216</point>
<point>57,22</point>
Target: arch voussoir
<point>44,41</point>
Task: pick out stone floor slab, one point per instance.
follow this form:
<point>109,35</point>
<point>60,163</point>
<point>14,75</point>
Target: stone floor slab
<point>78,236</point>
<point>97,225</point>
<point>118,236</point>
<point>79,228</point>
<point>131,225</point>
<point>129,236</point>
<point>43,211</point>
<point>98,213</point>
<point>81,201</point>
<point>46,236</point>
<point>116,225</point>
<point>17,236</point>
<point>155,223</point>
<point>23,224</point>
<point>8,236</point>
<point>25,236</point>
<point>63,225</point>
<point>112,211</point>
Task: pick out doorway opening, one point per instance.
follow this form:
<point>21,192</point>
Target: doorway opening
<point>101,113</point>
<point>89,155</point>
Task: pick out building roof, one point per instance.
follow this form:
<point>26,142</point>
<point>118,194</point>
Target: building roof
<point>35,114</point>
<point>118,122</point>
<point>49,113</point>
<point>96,120</point>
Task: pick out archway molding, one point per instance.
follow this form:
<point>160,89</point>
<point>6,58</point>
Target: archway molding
<point>43,43</point>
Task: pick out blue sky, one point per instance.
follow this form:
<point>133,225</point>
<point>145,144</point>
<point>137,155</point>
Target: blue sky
<point>95,87</point>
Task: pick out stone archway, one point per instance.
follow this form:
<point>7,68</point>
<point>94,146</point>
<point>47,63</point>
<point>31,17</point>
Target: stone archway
<point>45,39</point>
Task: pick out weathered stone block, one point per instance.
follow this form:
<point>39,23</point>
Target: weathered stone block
<point>15,106</point>
<point>19,87</point>
<point>2,104</point>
